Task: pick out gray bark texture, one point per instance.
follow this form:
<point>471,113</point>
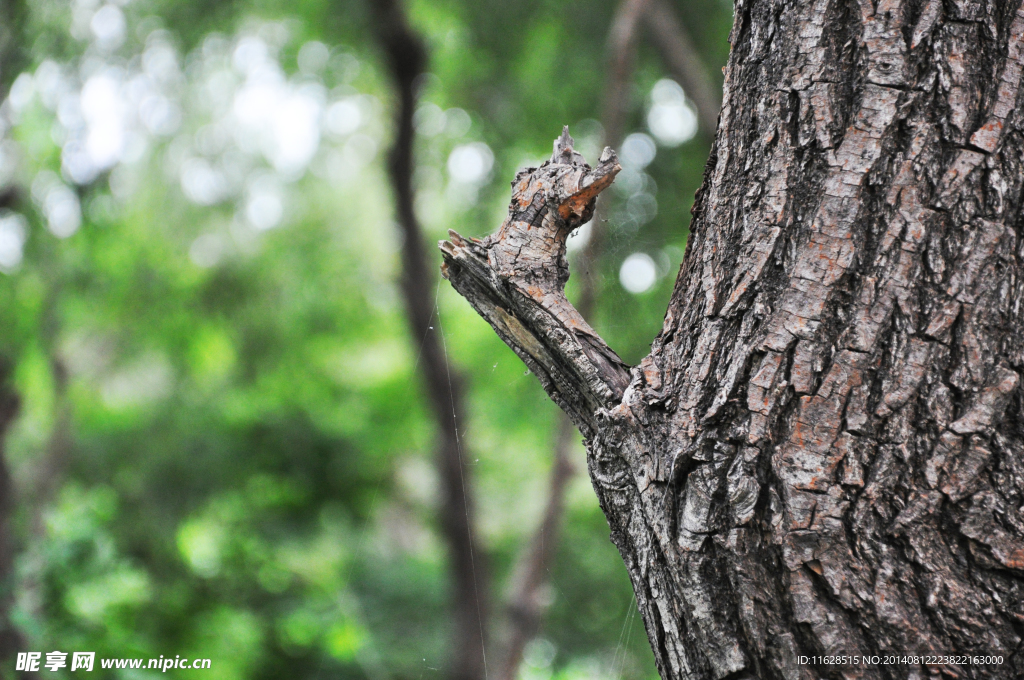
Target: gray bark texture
<point>823,454</point>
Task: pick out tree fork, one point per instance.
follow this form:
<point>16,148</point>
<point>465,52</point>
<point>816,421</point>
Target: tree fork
<point>823,454</point>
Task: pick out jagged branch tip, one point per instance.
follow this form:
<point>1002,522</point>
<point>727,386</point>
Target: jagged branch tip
<point>516,278</point>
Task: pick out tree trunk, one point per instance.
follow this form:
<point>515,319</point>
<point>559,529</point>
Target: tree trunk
<point>12,59</point>
<point>823,454</point>
<point>11,639</point>
<point>406,59</point>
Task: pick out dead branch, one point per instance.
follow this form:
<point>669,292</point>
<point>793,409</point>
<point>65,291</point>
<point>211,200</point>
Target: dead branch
<point>516,277</point>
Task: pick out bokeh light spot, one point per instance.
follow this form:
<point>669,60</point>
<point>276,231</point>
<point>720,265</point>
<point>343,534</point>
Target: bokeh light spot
<point>638,273</point>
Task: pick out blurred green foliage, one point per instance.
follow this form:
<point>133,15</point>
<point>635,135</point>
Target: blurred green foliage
<point>238,466</point>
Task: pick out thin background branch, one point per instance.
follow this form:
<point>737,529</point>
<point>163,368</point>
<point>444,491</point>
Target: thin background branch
<point>406,58</point>
<point>11,640</point>
<point>621,50</point>
<point>12,58</point>
<point>49,469</point>
<point>684,63</point>
<point>527,604</point>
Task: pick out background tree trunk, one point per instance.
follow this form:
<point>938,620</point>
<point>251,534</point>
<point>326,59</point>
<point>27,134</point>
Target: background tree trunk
<point>824,452</point>
<point>12,59</point>
<point>11,639</point>
<point>467,567</point>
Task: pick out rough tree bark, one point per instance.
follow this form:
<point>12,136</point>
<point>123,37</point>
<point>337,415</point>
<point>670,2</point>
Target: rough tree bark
<point>823,454</point>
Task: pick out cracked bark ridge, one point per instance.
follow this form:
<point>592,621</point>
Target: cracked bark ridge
<point>823,454</point>
<point>516,279</point>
